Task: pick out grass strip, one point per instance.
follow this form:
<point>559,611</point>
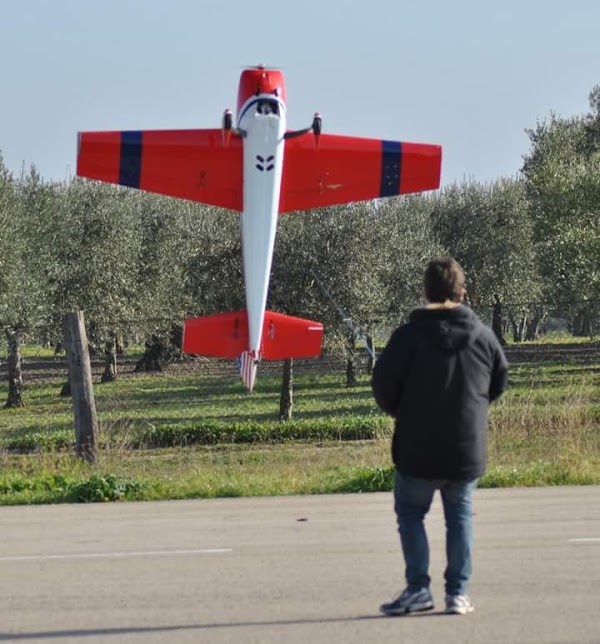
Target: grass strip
<point>221,472</point>
<point>213,432</point>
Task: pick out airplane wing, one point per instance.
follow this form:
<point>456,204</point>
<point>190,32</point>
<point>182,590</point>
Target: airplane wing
<point>191,164</point>
<point>344,169</point>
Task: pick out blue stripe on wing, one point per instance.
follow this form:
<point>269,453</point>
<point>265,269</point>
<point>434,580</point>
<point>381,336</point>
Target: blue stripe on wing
<point>130,165</point>
<point>391,165</point>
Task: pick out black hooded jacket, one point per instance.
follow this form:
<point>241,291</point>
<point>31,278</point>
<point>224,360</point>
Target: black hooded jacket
<point>436,377</point>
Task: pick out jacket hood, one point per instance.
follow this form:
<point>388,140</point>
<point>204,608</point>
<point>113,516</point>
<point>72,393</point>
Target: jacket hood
<point>450,329</point>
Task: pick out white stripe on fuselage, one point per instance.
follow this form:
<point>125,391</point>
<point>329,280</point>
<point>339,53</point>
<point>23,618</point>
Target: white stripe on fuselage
<point>263,147</point>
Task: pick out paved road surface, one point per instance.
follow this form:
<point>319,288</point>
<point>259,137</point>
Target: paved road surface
<point>298,569</point>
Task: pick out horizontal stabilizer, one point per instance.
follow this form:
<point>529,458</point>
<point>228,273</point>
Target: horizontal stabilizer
<point>288,337</point>
<point>225,335</point>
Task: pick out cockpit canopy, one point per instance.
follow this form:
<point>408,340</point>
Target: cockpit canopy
<point>266,106</point>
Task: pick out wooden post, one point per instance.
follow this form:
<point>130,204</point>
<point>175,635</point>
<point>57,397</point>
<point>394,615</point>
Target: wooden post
<point>82,391</point>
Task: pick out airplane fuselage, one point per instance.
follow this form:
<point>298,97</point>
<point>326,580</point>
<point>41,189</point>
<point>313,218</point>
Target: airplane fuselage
<point>262,122</point>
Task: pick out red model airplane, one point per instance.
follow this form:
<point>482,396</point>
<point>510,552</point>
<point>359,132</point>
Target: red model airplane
<point>260,169</point>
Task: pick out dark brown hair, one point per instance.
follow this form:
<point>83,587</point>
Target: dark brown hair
<point>444,280</point>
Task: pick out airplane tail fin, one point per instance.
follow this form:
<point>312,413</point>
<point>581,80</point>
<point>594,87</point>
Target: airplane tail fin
<point>247,365</point>
<point>225,335</point>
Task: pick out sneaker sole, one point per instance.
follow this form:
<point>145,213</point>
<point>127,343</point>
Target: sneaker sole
<point>459,611</point>
<point>408,611</point>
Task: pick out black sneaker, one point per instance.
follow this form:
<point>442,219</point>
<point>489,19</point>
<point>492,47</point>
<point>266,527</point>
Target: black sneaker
<point>409,602</point>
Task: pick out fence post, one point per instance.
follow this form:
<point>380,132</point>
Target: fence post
<point>82,391</point>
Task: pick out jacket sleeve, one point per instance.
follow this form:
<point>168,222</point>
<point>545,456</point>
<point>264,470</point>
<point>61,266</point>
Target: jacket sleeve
<point>391,370</point>
<point>499,377</point>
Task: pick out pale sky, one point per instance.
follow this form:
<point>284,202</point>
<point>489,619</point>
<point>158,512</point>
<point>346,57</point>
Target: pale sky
<point>470,75</point>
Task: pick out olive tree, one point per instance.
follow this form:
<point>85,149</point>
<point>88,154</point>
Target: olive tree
<point>11,256</point>
<point>24,308</point>
<point>562,171</point>
<point>93,252</point>
<point>488,229</point>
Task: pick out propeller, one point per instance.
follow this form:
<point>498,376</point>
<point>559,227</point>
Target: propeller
<point>260,66</point>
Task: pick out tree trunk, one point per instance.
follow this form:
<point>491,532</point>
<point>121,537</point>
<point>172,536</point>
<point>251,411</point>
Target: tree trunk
<point>513,326</point>
<point>497,323</point>
<point>110,361</point>
<point>286,399</point>
<point>153,358</point>
<point>120,344</point>
<point>581,324</point>
<point>370,359</point>
<point>535,323</point>
<point>15,374</point>
<point>523,326</point>
<point>159,351</point>
<point>350,364</point>
<point>588,325</point>
<point>518,327</point>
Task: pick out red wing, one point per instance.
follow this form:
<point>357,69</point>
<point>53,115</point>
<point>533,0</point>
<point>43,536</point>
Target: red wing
<point>344,169</point>
<point>191,164</point>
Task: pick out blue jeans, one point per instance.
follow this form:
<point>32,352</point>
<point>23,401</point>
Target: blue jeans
<point>413,497</point>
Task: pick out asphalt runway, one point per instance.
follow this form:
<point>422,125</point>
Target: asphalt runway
<point>296,569</point>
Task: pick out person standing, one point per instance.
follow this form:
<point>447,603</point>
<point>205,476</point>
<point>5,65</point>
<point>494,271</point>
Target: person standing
<point>437,376</point>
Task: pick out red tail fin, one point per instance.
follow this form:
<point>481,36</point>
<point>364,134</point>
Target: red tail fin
<point>226,336</point>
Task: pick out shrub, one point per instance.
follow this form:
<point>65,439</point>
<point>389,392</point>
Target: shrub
<point>57,488</point>
<point>211,432</point>
<point>103,488</point>
<point>41,441</point>
<point>365,479</point>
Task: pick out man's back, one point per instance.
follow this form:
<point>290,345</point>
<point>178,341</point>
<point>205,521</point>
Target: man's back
<point>436,376</point>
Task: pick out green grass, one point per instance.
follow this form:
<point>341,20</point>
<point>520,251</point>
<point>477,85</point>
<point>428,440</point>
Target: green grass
<point>153,409</point>
<point>554,337</point>
<point>181,434</point>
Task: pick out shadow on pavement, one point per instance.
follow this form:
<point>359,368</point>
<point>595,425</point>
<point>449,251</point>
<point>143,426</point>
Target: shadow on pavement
<point>125,630</point>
